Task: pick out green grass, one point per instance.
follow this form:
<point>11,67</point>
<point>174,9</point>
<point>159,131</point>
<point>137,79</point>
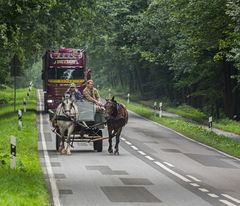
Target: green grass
<point>228,125</point>
<point>26,184</point>
<point>190,130</point>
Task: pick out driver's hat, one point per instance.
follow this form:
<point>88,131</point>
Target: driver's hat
<point>72,85</point>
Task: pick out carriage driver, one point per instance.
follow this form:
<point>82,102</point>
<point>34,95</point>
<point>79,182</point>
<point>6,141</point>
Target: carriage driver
<point>74,92</point>
<point>92,95</point>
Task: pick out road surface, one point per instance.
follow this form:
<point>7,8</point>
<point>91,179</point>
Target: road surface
<point>156,166</point>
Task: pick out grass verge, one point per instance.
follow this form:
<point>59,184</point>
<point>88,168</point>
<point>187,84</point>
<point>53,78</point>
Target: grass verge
<point>24,186</point>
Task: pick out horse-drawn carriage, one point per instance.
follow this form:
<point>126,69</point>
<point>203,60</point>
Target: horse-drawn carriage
<point>80,122</point>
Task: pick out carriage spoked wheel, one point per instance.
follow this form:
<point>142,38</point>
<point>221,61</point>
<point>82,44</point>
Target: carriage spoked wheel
<point>98,145</point>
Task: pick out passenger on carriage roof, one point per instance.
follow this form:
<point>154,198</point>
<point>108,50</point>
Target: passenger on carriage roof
<point>74,92</point>
<point>92,94</point>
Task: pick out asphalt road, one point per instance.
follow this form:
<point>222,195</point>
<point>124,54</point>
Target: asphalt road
<point>156,166</point>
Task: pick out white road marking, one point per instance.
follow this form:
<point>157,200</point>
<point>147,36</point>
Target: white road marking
<point>150,158</point>
<point>141,152</point>
<point>227,203</point>
<point>231,198</point>
<point>135,148</point>
<point>169,164</point>
<point>194,178</point>
<point>203,189</point>
<point>194,185</point>
<point>213,195</point>
<point>129,143</point>
<point>172,172</point>
<point>227,155</point>
<point>50,173</point>
<point>123,139</point>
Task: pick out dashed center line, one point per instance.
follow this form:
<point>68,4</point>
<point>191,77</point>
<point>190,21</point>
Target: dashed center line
<point>184,178</point>
<point>141,152</point>
<point>213,195</point>
<point>129,143</point>
<point>203,189</point>
<point>231,198</point>
<point>194,184</point>
<point>150,158</point>
<point>135,148</point>
<point>169,164</point>
<point>194,178</point>
<point>227,203</point>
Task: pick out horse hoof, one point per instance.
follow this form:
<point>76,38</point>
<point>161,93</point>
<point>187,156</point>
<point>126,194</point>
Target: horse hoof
<point>110,151</point>
<point>69,153</point>
<point>63,151</point>
<point>116,153</point>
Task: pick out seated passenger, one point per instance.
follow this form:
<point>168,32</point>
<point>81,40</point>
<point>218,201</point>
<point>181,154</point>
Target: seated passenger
<point>74,92</point>
<point>92,95</point>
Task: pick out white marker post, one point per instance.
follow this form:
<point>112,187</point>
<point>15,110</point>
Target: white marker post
<point>19,119</point>
<point>13,143</point>
<point>155,107</point>
<point>128,98</point>
<point>160,109</point>
<point>24,104</point>
<point>109,93</point>
<point>210,123</point>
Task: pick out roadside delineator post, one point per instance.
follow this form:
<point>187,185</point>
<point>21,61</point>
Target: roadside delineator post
<point>210,123</point>
<point>160,109</point>
<point>128,98</point>
<point>19,119</point>
<point>13,143</point>
<point>24,104</point>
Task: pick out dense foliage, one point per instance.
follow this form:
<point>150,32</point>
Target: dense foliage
<point>186,50</point>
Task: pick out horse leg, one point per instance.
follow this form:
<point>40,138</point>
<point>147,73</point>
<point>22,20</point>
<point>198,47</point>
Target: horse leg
<point>110,150</point>
<point>116,152</point>
<point>61,147</point>
<point>68,147</point>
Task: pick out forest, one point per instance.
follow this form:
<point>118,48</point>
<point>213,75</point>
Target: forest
<point>187,51</point>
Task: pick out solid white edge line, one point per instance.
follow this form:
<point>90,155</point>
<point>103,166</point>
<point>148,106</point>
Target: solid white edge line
<point>195,184</point>
<point>141,152</point>
<point>194,178</point>
<point>50,173</point>
<point>135,148</point>
<point>203,189</point>
<point>169,164</point>
<point>225,154</point>
<point>213,195</point>
<point>231,198</point>
<point>150,158</point>
<point>227,203</point>
<point>172,172</point>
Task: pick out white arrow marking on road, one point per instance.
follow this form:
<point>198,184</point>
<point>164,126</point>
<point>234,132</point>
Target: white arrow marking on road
<point>172,172</point>
<point>227,203</point>
<point>231,198</point>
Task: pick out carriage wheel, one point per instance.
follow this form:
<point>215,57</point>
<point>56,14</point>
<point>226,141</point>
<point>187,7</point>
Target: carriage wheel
<point>98,145</point>
<point>58,141</point>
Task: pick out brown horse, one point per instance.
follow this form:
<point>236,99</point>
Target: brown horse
<point>117,118</point>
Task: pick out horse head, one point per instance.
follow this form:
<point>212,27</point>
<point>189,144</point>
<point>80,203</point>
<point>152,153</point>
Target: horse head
<point>111,107</point>
<point>68,106</point>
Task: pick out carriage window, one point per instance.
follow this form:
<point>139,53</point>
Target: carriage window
<point>66,73</point>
